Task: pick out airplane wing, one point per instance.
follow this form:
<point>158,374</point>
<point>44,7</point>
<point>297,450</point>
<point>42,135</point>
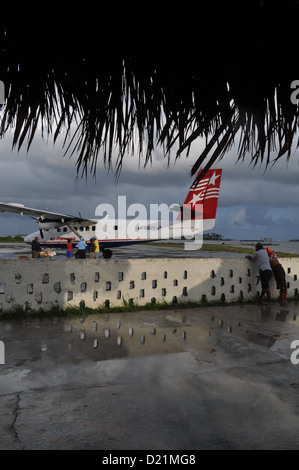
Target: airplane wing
<point>41,215</point>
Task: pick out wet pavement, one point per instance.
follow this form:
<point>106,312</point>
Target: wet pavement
<point>204,378</point>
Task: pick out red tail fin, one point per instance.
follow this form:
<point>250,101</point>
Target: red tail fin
<point>203,196</point>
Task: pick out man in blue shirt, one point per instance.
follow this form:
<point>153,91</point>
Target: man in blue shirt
<point>263,264</point>
<point>81,245</point>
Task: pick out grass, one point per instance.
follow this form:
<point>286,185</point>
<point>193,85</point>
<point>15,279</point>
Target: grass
<point>81,310</point>
<point>19,312</point>
<point>12,239</point>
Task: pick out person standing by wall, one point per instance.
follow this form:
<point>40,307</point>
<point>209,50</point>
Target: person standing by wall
<point>91,248</point>
<point>81,245</point>
<point>69,249</point>
<point>279,275</point>
<point>97,248</point>
<point>263,264</point>
<point>36,248</point>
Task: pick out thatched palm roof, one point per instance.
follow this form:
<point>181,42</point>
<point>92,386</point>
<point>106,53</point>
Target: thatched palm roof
<point>156,77</point>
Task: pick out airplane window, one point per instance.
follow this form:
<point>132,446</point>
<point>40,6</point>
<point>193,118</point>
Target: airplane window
<point>58,230</point>
<point>76,228</point>
<point>115,227</point>
<point>93,228</point>
<point>64,229</point>
<point>86,228</point>
<point>81,229</point>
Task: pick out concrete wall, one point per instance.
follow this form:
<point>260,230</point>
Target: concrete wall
<point>57,282</point>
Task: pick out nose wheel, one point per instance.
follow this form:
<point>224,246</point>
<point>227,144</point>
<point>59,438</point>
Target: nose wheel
<point>107,253</point>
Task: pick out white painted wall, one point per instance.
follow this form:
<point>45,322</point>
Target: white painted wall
<point>43,283</point>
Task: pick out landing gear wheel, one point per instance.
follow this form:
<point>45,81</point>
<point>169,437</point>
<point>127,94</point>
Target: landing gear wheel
<point>107,253</point>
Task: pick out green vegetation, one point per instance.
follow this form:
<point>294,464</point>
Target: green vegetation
<point>227,249</point>
<point>212,236</point>
<point>81,310</point>
<point>19,312</point>
<point>12,239</point>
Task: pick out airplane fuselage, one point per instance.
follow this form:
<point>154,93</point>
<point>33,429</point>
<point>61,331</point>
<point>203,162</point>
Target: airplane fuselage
<point>113,233</point>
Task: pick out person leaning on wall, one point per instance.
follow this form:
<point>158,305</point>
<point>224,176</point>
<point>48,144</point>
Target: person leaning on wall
<point>279,275</point>
<point>263,264</point>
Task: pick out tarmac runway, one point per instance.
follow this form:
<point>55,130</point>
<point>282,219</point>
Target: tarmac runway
<point>204,378</point>
<point>13,250</point>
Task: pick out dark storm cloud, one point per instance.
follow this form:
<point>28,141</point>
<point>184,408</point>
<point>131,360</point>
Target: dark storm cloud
<point>251,202</point>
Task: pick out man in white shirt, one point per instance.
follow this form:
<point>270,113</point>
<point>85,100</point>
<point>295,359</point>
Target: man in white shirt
<point>263,264</point>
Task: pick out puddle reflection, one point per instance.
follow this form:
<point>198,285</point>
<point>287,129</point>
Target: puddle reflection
<point>126,336</point>
<point>99,337</point>
<point>281,314</point>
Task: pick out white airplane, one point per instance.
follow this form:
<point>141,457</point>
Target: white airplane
<point>196,215</point>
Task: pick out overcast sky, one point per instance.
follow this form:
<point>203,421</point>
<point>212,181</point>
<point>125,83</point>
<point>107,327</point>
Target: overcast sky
<point>252,204</point>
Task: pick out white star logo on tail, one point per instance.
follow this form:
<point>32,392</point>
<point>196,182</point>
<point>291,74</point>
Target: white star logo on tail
<point>195,199</point>
<point>213,179</point>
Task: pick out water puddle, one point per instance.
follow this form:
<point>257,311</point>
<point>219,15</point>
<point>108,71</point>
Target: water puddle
<point>99,337</point>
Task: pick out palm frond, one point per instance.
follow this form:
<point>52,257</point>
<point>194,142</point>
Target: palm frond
<point>158,78</point>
